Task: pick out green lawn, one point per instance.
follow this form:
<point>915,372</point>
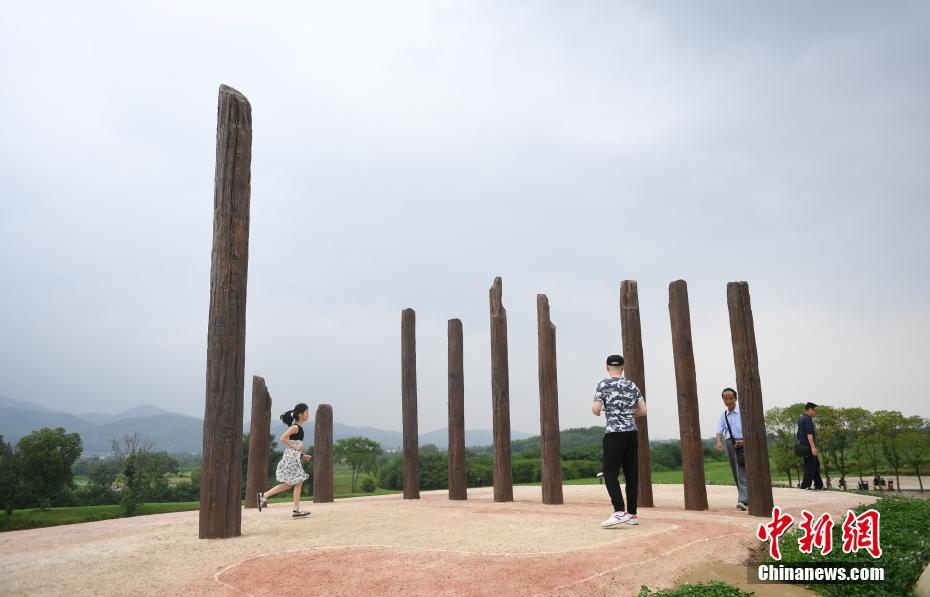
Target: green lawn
<point>715,473</point>
<point>33,517</point>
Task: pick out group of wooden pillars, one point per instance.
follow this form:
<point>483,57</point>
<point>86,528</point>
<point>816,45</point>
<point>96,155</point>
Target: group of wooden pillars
<point>259,447</point>
<point>220,513</point>
<point>551,473</point>
<point>747,375</point>
<point>746,364</point>
<point>220,488</point>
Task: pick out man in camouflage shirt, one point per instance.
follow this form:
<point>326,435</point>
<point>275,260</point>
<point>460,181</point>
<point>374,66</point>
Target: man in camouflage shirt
<point>620,401</point>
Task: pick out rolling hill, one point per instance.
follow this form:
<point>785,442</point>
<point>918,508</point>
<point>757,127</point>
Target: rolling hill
<point>176,433</point>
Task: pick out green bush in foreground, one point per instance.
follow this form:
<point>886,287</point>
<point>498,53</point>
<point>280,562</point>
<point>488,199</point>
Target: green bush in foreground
<point>710,589</point>
<point>905,549</point>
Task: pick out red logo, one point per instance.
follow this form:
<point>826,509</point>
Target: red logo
<point>773,530</point>
<point>817,533</point>
<point>859,532</point>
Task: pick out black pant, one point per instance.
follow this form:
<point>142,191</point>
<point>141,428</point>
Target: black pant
<point>811,473</point>
<point>621,450</point>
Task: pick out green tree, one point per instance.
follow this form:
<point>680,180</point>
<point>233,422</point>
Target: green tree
<point>862,428</point>
<point>392,473</point>
<point>868,445</point>
<point>46,458</point>
<point>9,475</point>
<point>360,453</point>
<point>274,455</point>
<point>850,420</point>
<point>434,468</point>
<point>893,429</point>
<point>916,444</point>
<point>781,424</point>
<point>101,476</point>
<point>828,430</point>
<point>132,453</point>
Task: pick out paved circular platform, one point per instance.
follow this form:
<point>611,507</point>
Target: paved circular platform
<point>385,544</point>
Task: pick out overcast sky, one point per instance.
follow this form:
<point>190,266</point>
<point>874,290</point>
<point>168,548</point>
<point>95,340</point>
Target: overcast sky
<point>405,153</point>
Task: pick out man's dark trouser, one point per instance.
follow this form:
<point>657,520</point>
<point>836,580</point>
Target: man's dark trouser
<point>621,450</point>
<point>811,473</point>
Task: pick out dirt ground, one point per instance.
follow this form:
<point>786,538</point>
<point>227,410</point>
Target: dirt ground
<point>387,545</point>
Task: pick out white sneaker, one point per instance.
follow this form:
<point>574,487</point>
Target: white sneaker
<point>615,519</point>
<point>632,519</point>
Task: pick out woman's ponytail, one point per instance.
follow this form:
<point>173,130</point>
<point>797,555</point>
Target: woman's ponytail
<point>290,416</point>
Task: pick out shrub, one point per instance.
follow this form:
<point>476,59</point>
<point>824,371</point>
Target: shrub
<point>368,485</point>
<point>709,589</point>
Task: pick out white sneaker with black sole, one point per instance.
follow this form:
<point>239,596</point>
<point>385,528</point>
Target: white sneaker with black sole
<point>261,501</point>
<point>616,519</point>
<point>299,514</point>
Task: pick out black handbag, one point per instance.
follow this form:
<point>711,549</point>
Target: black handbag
<point>801,450</point>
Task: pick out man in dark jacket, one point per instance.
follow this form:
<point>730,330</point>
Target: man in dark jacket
<point>807,442</point>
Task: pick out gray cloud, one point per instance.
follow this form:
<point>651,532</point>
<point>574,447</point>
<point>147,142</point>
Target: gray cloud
<point>404,155</point>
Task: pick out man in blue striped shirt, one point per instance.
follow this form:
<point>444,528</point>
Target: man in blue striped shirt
<point>730,431</point>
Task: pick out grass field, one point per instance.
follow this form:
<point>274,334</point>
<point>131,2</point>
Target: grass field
<point>33,517</point>
<point>715,473</point>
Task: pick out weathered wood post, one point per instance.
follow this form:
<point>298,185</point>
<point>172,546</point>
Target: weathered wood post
<point>257,477</point>
<point>458,473</point>
<point>551,458</point>
<point>323,454</point>
<point>221,484</point>
<point>751,411</point>
<point>500,396</point>
<point>408,374</point>
<point>635,371</point>
<point>689,424</point>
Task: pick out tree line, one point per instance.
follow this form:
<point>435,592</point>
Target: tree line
<point>38,471</point>
<point>852,441</point>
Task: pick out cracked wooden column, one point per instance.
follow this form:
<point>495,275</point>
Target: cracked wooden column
<point>551,459</point>
<point>259,442</point>
<point>749,387</point>
<point>458,472</point>
<point>500,397</point>
<point>408,374</point>
<point>221,484</point>
<point>323,454</point>
<point>634,370</point>
<point>689,424</point>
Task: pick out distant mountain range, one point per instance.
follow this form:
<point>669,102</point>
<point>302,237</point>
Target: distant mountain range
<point>176,433</point>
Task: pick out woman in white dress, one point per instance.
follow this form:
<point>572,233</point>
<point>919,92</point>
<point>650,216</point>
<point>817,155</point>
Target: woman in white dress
<point>290,472</point>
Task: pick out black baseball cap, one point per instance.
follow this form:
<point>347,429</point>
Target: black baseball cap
<point>809,405</point>
<point>615,360</point>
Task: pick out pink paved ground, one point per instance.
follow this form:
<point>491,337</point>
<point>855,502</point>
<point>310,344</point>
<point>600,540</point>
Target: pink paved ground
<point>386,545</point>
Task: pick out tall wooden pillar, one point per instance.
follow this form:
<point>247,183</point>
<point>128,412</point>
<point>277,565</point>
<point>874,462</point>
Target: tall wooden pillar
<point>689,424</point>
<point>548,406</point>
<point>323,454</point>
<point>749,386</point>
<point>259,444</point>
<point>634,370</point>
<point>408,368</point>
<point>500,397</point>
<point>458,473</point>
<point>221,484</point>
